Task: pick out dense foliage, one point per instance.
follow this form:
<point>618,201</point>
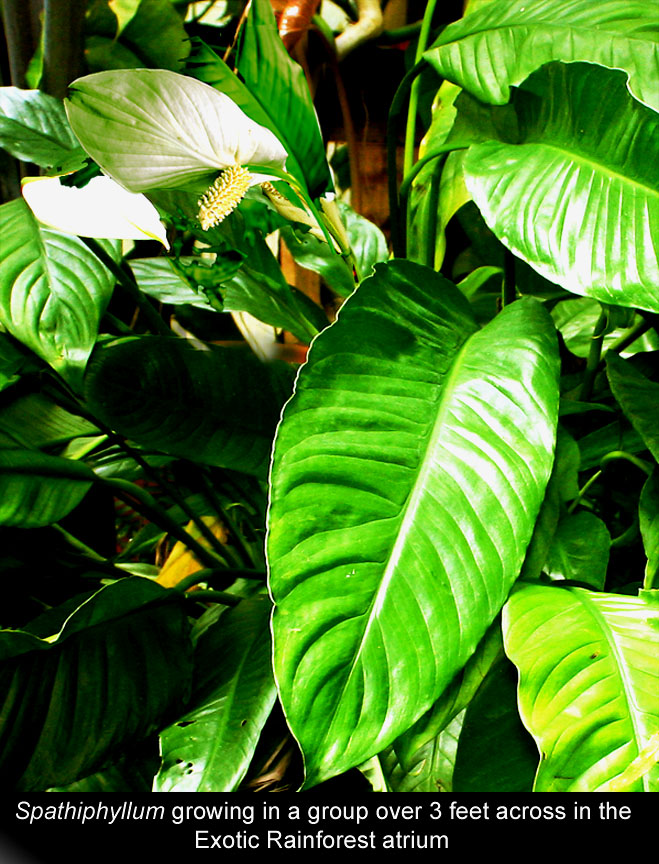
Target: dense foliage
<point>424,554</point>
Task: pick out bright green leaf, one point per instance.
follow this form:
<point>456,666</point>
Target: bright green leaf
<point>280,86</point>
<point>209,749</point>
<point>408,472</point>
<point>498,46</point>
<point>34,128</point>
<point>584,176</point>
<point>589,677</point>
<point>53,290</point>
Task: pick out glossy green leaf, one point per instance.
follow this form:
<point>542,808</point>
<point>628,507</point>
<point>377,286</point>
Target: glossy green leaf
<point>583,176</point>
<point>218,407</point>
<point>408,471</point>
<point>580,550</point>
<point>367,242</point>
<point>279,84</point>
<point>314,254</point>
<point>648,511</point>
<point>37,490</point>
<point>453,700</point>
<point>53,290</point>
<point>639,399</point>
<point>498,46</point>
<point>34,128</point>
<point>162,279</point>
<point>209,749</point>
<point>260,288</point>
<point>494,752</point>
<point>589,676</point>
<point>71,683</point>
<point>425,753</point>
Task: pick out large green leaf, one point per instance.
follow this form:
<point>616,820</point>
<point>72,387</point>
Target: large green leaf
<point>210,748</point>
<point>502,43</point>
<point>218,407</point>
<point>37,490</point>
<point>589,677</point>
<point>280,86</point>
<point>408,471</point>
<point>84,682</point>
<point>53,290</point>
<point>34,128</point>
<point>577,196</point>
<point>639,399</point>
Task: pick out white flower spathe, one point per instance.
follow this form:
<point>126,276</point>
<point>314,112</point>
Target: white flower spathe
<point>151,128</point>
<point>100,209</point>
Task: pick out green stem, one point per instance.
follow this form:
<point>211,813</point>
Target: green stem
<point>622,454</point>
<point>429,230</point>
<point>130,286</point>
<point>397,105</point>
<point>213,576</point>
<point>629,337</point>
<point>410,128</point>
<point>214,597</point>
<point>573,506</point>
<point>594,357</point>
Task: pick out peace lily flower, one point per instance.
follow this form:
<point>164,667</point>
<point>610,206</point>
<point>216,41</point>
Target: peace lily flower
<point>155,129</point>
<point>101,208</point>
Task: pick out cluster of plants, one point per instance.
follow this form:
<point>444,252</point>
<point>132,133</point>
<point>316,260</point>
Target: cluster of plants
<point>422,554</point>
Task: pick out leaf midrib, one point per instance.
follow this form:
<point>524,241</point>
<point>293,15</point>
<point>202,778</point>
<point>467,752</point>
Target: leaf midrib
<point>620,664</point>
<point>409,510</point>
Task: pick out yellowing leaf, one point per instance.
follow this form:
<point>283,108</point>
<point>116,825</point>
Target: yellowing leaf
<point>181,562</point>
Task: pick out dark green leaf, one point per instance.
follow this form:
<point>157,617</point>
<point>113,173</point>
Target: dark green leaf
<point>217,407</point>
<point>648,509</point>
<point>282,90</point>
<point>580,550</point>
<point>495,753</point>
<point>117,668</point>
<point>34,128</point>
<point>638,398</point>
<point>37,490</point>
